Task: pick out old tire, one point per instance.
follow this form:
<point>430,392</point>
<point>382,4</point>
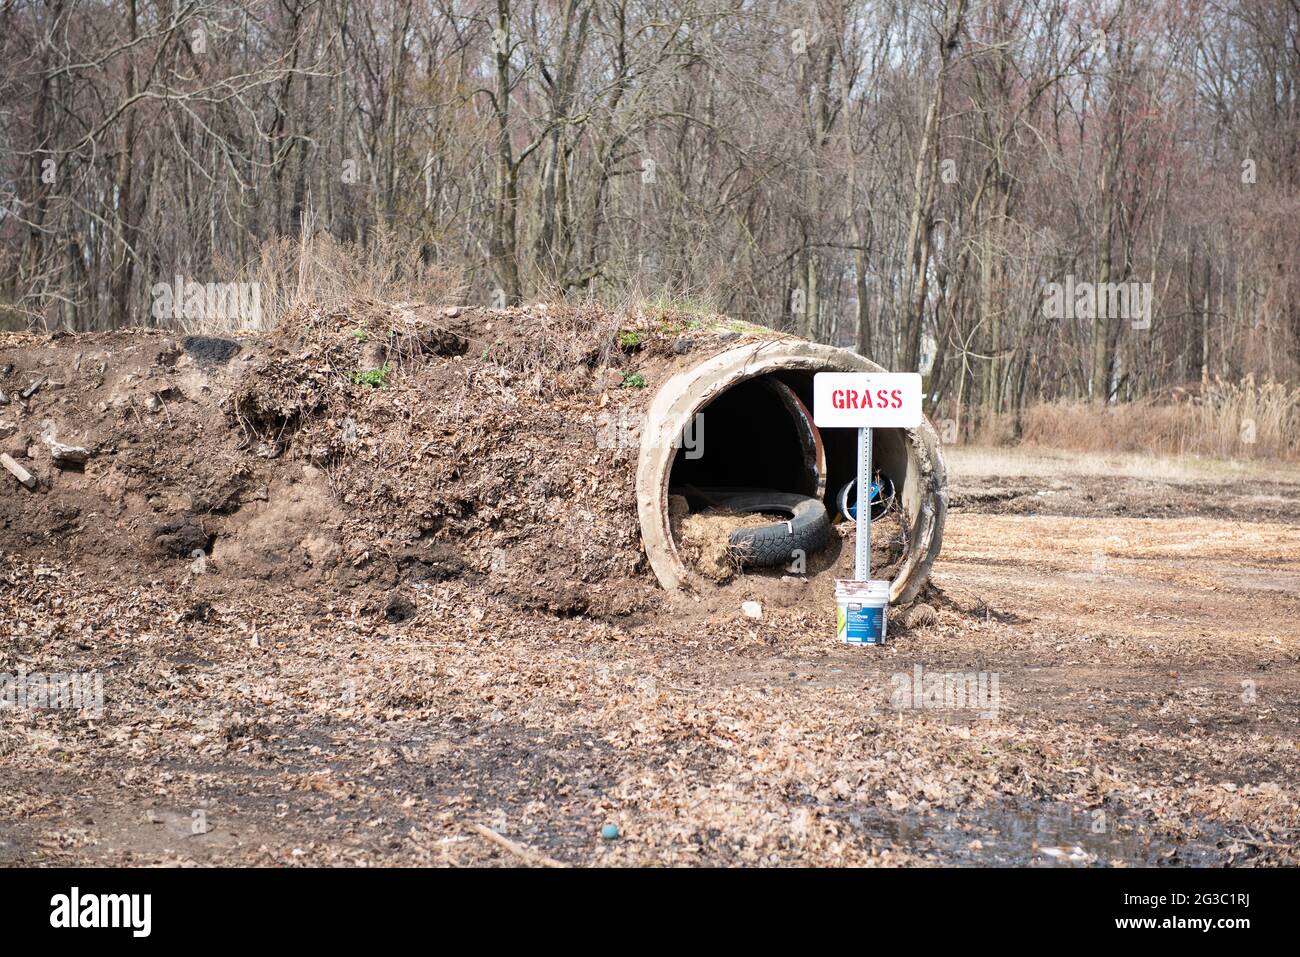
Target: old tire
<point>775,544</point>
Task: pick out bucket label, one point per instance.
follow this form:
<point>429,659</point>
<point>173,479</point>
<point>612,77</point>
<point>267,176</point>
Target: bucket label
<point>861,624</point>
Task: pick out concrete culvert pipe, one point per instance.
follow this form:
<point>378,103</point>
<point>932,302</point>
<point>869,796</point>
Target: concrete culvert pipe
<point>755,430</point>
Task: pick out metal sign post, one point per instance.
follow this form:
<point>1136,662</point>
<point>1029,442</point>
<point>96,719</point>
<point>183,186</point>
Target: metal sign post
<point>864,401</point>
<point>862,563</point>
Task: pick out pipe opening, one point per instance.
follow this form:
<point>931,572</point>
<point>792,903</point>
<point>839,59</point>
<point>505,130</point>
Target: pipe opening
<point>759,434</point>
<point>747,437</point>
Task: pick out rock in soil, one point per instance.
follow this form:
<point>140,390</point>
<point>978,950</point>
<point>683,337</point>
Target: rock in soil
<point>181,536</point>
<point>399,609</point>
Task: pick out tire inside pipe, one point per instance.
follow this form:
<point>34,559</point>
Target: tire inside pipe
<point>765,545</point>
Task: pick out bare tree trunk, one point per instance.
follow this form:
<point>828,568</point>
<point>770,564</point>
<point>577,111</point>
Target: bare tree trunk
<point>504,242</point>
<point>128,216</point>
<point>923,189</point>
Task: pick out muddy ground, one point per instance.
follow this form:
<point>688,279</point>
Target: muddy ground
<point>1131,642</point>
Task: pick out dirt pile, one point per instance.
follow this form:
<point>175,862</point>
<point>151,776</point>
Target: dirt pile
<point>704,537</point>
<point>359,449</point>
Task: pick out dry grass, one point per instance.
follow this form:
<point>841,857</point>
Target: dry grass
<point>979,461</point>
<point>1228,420</point>
<point>320,271</point>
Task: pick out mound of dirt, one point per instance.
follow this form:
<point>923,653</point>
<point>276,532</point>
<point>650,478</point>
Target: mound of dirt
<point>358,449</point>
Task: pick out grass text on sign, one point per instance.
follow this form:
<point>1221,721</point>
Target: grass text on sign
<point>871,400</point>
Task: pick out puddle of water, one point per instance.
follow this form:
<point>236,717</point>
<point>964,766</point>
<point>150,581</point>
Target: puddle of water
<point>1034,834</point>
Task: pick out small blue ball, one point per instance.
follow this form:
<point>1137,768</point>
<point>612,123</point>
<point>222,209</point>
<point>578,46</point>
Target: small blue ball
<point>609,832</point>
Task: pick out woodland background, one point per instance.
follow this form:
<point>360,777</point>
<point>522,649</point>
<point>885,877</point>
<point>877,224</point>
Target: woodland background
<point>898,177</point>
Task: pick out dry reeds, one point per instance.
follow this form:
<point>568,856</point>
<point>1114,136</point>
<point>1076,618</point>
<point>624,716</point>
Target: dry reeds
<point>320,271</point>
<point>1230,420</point>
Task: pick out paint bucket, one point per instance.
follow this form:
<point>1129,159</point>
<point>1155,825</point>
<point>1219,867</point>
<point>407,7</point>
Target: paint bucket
<point>860,611</point>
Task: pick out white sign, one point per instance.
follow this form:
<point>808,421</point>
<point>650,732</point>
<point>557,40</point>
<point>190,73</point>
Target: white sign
<point>867,400</point>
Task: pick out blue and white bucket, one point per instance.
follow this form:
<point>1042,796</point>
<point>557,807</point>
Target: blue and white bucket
<point>860,611</point>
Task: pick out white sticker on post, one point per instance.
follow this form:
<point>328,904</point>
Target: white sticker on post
<point>867,400</point>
